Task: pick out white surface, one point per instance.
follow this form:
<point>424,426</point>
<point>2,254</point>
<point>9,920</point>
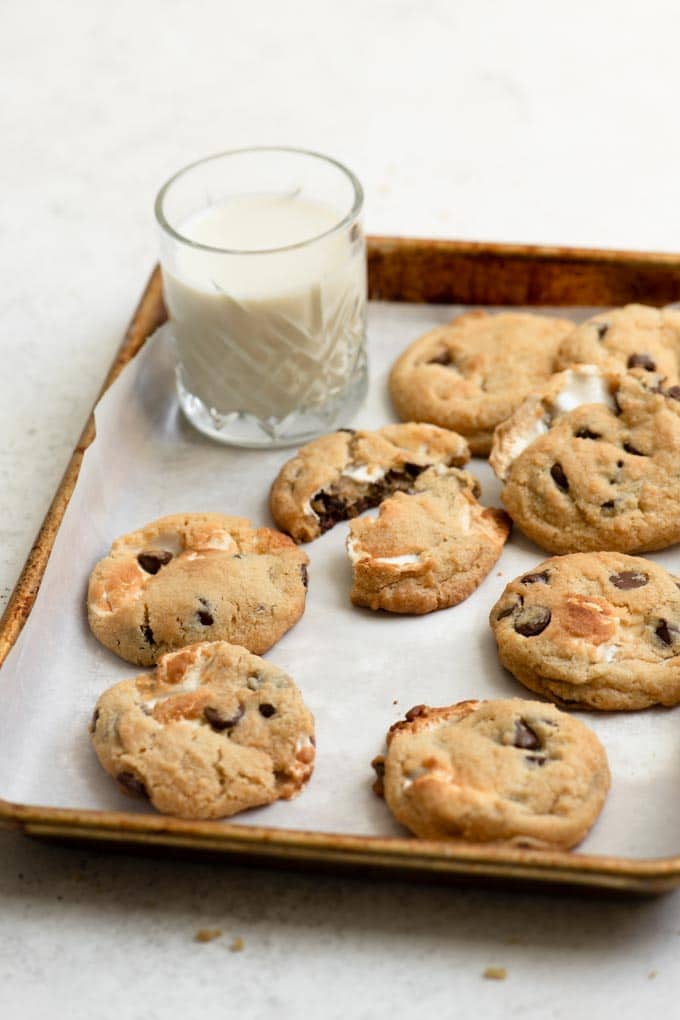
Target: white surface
<point>525,121</point>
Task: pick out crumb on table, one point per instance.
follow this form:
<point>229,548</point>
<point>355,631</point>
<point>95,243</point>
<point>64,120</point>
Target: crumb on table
<point>237,945</point>
<point>207,934</point>
<point>495,973</point>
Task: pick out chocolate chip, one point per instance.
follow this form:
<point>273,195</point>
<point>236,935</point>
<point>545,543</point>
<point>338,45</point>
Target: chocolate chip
<point>642,361</point>
<point>559,478</point>
<point>131,784</point>
<point>267,710</point>
<point>413,470</point>
<point>351,432</point>
<point>312,740</point>
<point>666,632</point>
<point>539,578</point>
<point>673,392</point>
<point>147,633</point>
<point>535,759</point>
<point>152,561</point>
<point>378,764</point>
<point>329,509</point>
<point>95,719</point>
<point>218,722</point>
<point>628,579</point>
<point>304,574</point>
<point>444,358</point>
<point>601,328</point>
<point>205,618</point>
<point>532,620</point>
<point>629,448</point>
<point>586,433</point>
<point>619,463</point>
<point>525,737</point>
<point>608,508</point>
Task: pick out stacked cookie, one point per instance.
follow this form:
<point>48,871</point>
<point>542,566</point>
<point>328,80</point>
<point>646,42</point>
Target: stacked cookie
<point>582,424</point>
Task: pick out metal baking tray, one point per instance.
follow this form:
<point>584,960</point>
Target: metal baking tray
<point>406,270</point>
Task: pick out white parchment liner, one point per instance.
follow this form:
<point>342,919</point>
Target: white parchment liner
<point>359,671</point>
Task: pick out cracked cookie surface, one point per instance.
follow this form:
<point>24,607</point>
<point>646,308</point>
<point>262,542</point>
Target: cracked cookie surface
<point>514,771</point>
<point>338,476</point>
<point>593,630</point>
<point>591,462</point>
<point>472,373</point>
<point>427,550</point>
<point>636,336</point>
<point>196,577</point>
<point>213,731</point>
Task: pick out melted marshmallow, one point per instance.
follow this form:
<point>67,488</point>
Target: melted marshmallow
<point>364,473</point>
<point>584,385</point>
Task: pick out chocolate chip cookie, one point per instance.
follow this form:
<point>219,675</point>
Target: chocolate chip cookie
<point>472,373</point>
<point>516,771</point>
<point>635,337</point>
<point>426,550</point>
<point>192,577</point>
<point>592,462</point>
<point>338,476</point>
<point>213,731</point>
<point>594,630</point>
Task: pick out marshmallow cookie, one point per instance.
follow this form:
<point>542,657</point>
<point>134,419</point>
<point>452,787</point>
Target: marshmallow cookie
<point>340,475</point>
<point>515,771</point>
<point>593,630</point>
<point>591,462</point>
<point>428,549</point>
<point>192,577</point>
<point>636,336</point>
<point>213,731</point>
<point>472,373</point>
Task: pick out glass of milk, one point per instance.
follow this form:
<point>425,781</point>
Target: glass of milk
<point>264,277</point>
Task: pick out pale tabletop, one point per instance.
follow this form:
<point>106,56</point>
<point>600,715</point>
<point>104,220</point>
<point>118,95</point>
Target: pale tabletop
<point>471,120</point>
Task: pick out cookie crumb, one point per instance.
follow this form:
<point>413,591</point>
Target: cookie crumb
<point>652,974</point>
<point>207,934</point>
<point>495,973</point>
<point>237,945</point>
<point>395,702</point>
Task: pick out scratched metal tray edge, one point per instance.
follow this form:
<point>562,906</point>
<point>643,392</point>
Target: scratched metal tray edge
<point>400,269</point>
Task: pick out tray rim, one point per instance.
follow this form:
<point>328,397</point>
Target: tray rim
<point>401,856</point>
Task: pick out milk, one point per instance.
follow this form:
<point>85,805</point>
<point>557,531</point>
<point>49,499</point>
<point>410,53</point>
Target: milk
<point>267,334</point>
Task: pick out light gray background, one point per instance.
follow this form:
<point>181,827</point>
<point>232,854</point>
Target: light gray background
<point>530,121</point>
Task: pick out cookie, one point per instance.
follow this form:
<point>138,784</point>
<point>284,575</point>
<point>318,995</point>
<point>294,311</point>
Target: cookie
<point>213,731</point>
<point>427,550</point>
<point>634,337</point>
<point>516,771</point>
<point>594,630</point>
<point>340,475</point>
<point>192,577</point>
<point>585,475</point>
<point>472,373</point>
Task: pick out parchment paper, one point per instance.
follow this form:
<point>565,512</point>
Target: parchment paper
<point>359,671</point>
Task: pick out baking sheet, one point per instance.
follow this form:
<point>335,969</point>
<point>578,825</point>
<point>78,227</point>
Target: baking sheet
<point>359,671</point>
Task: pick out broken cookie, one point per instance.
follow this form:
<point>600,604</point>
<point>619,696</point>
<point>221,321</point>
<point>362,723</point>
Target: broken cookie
<point>338,476</point>
<point>428,549</point>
